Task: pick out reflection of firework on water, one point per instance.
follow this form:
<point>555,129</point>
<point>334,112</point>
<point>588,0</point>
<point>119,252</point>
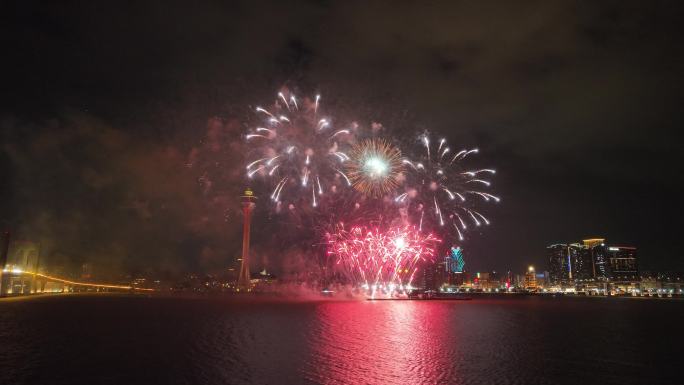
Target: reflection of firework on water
<point>298,152</point>
<point>381,261</point>
<point>375,167</point>
<point>441,194</point>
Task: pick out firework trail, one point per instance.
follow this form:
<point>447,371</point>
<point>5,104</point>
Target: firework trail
<point>298,152</point>
<point>381,261</point>
<point>442,195</point>
<point>375,167</point>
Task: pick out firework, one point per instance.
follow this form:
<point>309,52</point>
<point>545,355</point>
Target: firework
<point>441,194</point>
<point>298,152</point>
<point>381,261</point>
<point>375,167</point>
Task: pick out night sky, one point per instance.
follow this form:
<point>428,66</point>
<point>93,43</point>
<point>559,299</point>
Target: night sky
<point>104,104</point>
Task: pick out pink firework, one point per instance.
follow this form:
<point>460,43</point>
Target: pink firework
<point>381,261</point>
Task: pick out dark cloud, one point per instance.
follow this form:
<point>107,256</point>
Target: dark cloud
<point>107,148</point>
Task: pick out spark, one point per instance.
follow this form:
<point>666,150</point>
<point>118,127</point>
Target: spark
<point>486,196</point>
<point>461,220</point>
<point>427,145</point>
<point>270,173</point>
<point>441,143</point>
<point>250,136</point>
<point>251,173</point>
<point>340,132</point>
<point>486,221</point>
<point>263,129</point>
<point>255,162</point>
<point>280,94</point>
<point>484,182</point>
<point>305,178</point>
<point>313,196</point>
<point>460,235</point>
<point>259,109</point>
<point>477,223</point>
<point>444,153</point>
<point>345,177</point>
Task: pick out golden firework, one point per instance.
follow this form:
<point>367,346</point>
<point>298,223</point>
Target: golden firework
<point>375,167</point>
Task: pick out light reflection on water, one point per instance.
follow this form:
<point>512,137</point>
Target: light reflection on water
<point>528,340</point>
<point>388,342</point>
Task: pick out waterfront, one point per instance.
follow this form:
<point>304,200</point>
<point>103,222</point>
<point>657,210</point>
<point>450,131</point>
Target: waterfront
<point>117,339</point>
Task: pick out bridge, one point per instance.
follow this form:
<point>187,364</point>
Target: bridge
<point>15,281</point>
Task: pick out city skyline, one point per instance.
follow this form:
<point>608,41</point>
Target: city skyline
<point>577,122</point>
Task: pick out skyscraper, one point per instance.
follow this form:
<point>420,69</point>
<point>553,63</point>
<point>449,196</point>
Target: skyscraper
<point>562,258</point>
<point>596,249</point>
<point>623,264</point>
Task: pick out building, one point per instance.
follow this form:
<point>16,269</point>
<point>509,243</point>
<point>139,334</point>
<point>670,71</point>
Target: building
<point>531,279</point>
<point>562,260</point>
<point>542,279</point>
<point>596,250</point>
<point>455,266</point>
<point>624,270</point>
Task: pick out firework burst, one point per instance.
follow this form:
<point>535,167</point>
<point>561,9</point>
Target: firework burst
<point>381,261</point>
<point>375,167</point>
<point>441,194</point>
<point>297,150</point>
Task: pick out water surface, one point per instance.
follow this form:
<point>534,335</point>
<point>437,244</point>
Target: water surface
<point>523,340</point>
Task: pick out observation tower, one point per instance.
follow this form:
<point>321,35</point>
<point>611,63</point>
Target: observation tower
<point>248,203</point>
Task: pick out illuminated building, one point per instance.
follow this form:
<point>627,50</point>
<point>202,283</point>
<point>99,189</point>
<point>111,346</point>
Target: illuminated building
<point>623,265</point>
<point>596,248</point>
<point>4,250</point>
<point>455,266</point>
<point>22,256</point>
<point>454,261</point>
<point>248,204</point>
<point>671,282</point>
<point>531,279</point>
<point>562,258</point>
<point>542,279</point>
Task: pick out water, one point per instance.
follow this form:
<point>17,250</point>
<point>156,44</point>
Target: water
<point>525,340</point>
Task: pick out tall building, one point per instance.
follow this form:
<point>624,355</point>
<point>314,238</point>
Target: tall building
<point>248,203</point>
<point>596,250</point>
<point>623,264</point>
<point>454,261</point>
<point>562,259</point>
<point>531,279</point>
